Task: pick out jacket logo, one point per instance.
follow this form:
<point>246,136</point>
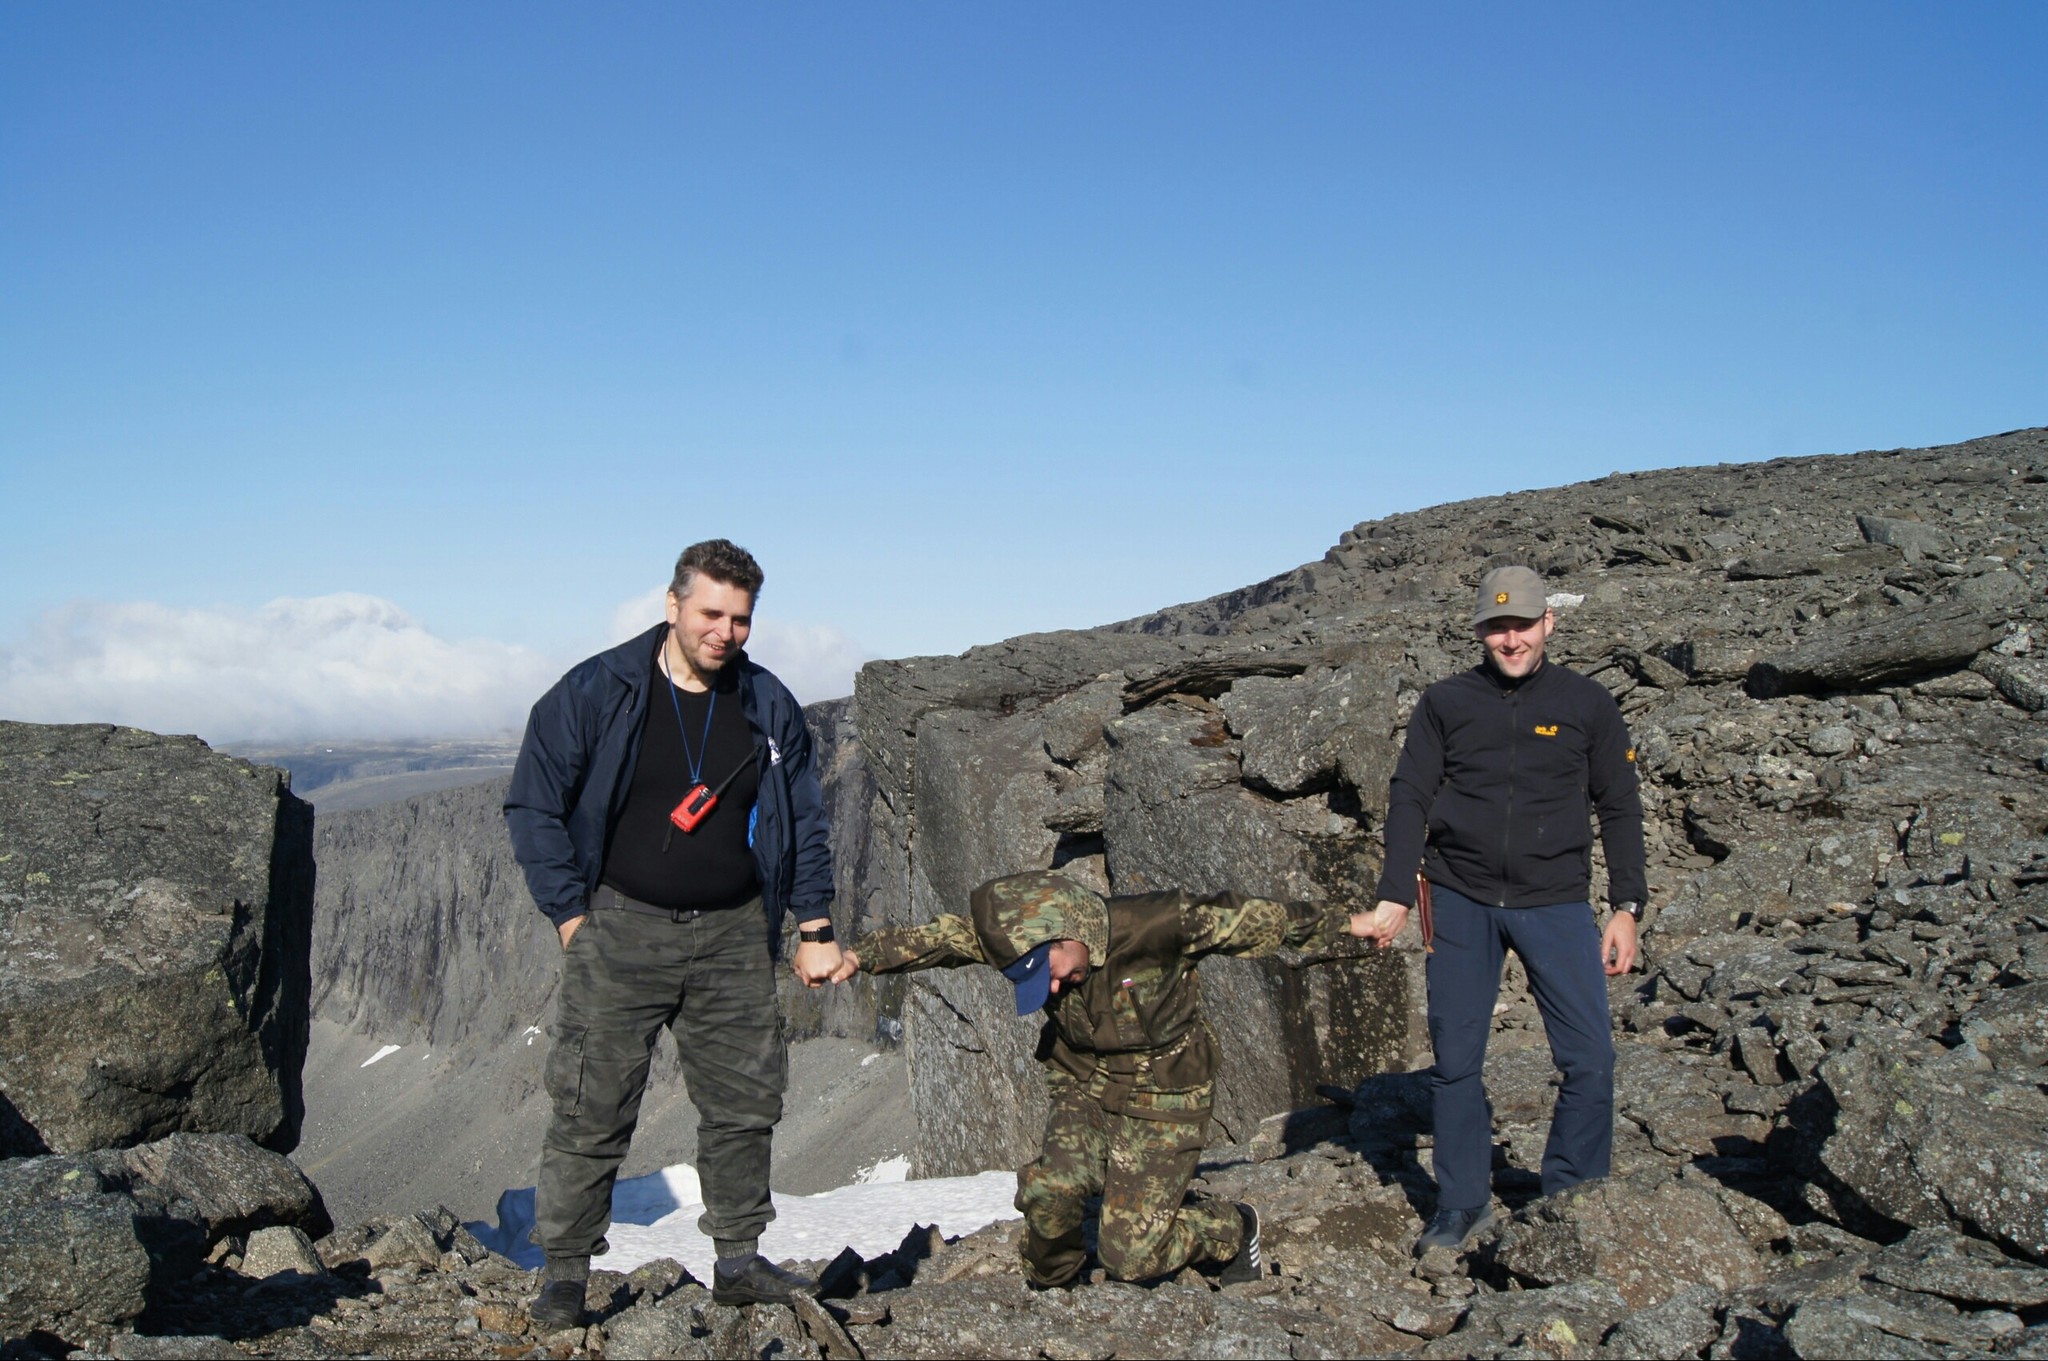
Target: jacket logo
<point>1546,729</point>
<point>774,753</point>
<point>1631,753</point>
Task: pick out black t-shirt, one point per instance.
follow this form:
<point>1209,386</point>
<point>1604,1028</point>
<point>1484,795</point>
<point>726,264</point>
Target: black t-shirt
<point>648,857</point>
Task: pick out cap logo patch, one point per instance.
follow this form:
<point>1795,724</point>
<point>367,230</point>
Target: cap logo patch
<point>1631,753</point>
<point>1546,729</point>
<point>1500,597</point>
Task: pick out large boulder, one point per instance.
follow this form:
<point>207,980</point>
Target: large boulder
<point>88,1243</point>
<point>72,1263</point>
<point>155,914</point>
<point>1104,756</point>
<point>2010,1027</point>
<point>1649,1236</point>
<point>1859,654</point>
<point>223,1183</point>
<point>1177,815</point>
<point>1899,1146</point>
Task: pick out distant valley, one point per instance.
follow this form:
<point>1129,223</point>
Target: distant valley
<point>338,778</point>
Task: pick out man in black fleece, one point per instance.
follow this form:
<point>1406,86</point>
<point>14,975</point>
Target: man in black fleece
<point>1502,767</point>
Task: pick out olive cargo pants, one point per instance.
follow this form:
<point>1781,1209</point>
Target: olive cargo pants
<point>1139,1159</point>
<point>626,975</point>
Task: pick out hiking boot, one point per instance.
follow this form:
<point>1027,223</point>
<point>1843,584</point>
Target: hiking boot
<point>558,1306</point>
<point>1247,1265</point>
<point>756,1280</point>
<point>1453,1228</point>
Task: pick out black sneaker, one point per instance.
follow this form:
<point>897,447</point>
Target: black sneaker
<point>559,1306</point>
<point>1453,1228</point>
<point>1247,1265</point>
<point>756,1280</point>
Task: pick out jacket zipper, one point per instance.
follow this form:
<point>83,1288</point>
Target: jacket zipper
<point>1507,822</point>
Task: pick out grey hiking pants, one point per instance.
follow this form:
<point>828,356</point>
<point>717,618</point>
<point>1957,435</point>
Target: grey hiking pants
<point>625,975</point>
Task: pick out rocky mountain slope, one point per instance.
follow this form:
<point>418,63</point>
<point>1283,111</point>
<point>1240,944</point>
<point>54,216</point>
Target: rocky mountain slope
<point>1828,664</point>
<point>1830,1087</point>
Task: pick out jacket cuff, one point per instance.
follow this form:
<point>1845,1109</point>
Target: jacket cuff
<point>561,915</point>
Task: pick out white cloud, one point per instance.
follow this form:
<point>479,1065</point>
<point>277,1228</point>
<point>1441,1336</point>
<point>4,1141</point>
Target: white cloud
<point>816,661</point>
<point>637,615</point>
<point>334,667</point>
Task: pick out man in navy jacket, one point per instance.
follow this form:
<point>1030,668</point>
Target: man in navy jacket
<point>1505,768</point>
<point>667,814</point>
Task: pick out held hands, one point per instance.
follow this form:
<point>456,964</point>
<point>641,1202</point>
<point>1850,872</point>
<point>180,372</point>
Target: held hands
<point>1381,924</point>
<point>817,960</point>
<point>849,965</point>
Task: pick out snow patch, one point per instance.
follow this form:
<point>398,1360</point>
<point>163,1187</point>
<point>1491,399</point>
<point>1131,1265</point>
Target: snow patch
<point>887,1170</point>
<point>656,1216</point>
<point>386,1052</point>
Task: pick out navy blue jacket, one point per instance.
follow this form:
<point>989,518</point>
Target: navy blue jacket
<point>576,766</point>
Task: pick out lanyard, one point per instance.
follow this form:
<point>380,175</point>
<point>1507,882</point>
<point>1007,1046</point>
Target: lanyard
<point>696,763</point>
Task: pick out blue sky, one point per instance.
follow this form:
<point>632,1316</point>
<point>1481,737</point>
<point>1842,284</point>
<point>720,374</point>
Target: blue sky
<point>382,346</point>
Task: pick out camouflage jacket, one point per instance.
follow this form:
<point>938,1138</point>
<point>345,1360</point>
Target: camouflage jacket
<point>1137,1017</point>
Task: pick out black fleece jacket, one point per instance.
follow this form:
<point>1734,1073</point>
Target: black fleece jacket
<point>1495,785</point>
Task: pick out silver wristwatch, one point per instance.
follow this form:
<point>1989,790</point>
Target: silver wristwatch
<point>1633,908</point>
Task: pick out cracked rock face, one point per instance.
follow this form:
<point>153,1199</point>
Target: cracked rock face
<point>155,912</point>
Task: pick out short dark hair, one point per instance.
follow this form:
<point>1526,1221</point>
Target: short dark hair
<point>721,560</point>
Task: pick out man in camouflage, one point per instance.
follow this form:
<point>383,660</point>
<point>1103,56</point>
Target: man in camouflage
<point>1130,1061</point>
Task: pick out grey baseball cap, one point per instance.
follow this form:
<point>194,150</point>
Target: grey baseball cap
<point>1509,593</point>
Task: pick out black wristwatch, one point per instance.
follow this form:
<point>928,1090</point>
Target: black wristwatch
<point>821,935</point>
<point>1633,908</point>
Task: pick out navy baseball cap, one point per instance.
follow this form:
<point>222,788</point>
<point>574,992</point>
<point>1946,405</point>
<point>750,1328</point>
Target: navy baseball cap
<point>1032,973</point>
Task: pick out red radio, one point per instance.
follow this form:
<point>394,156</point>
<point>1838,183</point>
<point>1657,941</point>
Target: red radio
<point>695,807</point>
<point>698,803</point>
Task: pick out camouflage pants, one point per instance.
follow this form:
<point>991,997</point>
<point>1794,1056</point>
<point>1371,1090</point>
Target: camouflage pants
<point>1139,1159</point>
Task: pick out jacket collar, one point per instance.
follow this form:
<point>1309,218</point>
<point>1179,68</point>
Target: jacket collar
<point>1509,684</point>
